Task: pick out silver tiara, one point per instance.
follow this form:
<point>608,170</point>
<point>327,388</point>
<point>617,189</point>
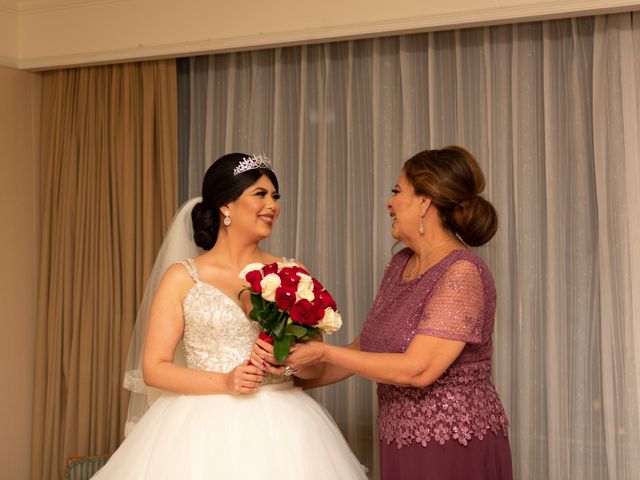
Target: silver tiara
<point>254,161</point>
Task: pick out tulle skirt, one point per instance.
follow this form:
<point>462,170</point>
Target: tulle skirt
<point>278,433</point>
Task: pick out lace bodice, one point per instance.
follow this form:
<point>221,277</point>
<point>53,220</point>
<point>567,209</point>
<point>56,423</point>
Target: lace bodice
<point>217,335</point>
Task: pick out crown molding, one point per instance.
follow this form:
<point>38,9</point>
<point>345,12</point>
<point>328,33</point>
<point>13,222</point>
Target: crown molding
<point>10,62</point>
<point>25,7</point>
<point>10,6</point>
<point>475,18</point>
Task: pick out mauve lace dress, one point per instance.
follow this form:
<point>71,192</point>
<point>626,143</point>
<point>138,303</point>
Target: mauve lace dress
<point>455,428</point>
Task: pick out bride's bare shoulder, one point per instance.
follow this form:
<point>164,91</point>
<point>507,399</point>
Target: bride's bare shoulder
<point>177,277</point>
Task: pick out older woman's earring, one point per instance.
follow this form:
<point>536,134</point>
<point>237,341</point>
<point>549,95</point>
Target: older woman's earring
<point>227,219</point>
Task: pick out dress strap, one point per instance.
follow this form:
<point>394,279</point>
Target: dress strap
<point>190,265</point>
<point>289,260</point>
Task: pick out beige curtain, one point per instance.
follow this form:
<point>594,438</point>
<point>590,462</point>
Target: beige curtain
<point>109,183</point>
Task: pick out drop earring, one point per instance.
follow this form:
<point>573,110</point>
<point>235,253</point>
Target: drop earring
<point>421,227</point>
<point>227,219</point>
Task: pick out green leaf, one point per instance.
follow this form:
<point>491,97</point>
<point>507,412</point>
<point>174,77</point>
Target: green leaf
<point>242,291</point>
<point>256,301</point>
<point>296,330</point>
<point>312,332</point>
<point>279,328</point>
<point>281,348</point>
<point>272,308</point>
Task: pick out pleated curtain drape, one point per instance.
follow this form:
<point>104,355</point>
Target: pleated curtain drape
<point>551,109</point>
<point>109,190</point>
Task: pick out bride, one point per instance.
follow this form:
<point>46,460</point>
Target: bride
<point>213,414</point>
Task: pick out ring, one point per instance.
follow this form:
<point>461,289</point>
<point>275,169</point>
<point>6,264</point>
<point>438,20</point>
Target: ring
<point>288,371</point>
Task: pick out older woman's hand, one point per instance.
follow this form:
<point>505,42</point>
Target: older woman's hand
<point>305,354</point>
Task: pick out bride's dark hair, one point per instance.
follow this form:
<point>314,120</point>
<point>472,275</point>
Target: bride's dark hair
<point>219,187</point>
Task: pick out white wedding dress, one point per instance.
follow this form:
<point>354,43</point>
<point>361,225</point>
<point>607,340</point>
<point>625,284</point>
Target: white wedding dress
<point>278,433</point>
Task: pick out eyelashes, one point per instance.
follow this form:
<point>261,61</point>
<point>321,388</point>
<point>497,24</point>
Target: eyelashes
<point>263,193</point>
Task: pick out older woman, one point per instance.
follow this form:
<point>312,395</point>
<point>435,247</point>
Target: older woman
<point>427,339</point>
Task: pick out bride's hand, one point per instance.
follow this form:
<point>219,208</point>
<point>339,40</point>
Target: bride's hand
<point>244,379</point>
<point>305,354</point>
<point>262,356</point>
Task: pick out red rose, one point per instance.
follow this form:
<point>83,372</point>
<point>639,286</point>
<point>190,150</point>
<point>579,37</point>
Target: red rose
<point>326,300</point>
<point>300,269</point>
<point>302,312</point>
<point>254,277</point>
<point>285,297</point>
<point>318,309</point>
<point>289,277</point>
<point>317,286</point>
<point>270,268</point>
<point>263,336</point>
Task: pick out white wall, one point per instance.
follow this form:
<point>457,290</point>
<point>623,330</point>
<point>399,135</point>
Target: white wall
<point>56,33</point>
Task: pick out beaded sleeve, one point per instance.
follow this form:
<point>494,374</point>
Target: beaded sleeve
<point>456,308</point>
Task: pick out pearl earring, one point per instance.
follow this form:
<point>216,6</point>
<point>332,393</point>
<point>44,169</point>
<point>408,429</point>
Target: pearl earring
<point>227,219</point>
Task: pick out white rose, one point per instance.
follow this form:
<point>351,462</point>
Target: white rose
<point>269,285</point>
<point>250,268</point>
<point>305,288</point>
<point>331,322</point>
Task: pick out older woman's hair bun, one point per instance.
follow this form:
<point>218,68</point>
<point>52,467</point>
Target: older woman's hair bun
<point>475,221</point>
<point>451,177</point>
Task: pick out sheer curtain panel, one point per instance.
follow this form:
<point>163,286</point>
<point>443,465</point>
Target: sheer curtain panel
<point>551,111</point>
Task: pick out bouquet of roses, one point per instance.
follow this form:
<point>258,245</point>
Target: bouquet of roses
<point>289,305</point>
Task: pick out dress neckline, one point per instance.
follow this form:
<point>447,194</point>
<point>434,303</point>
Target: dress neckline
<point>222,294</point>
<point>428,270</point>
<point>198,280</point>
